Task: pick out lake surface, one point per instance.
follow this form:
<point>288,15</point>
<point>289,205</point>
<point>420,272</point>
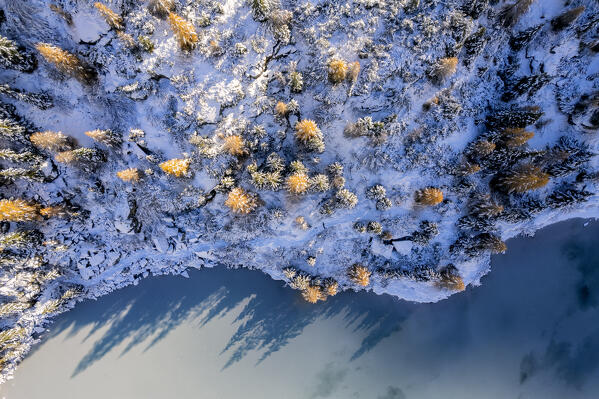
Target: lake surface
<point>530,331</point>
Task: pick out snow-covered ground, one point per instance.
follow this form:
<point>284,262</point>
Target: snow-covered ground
<point>248,57</point>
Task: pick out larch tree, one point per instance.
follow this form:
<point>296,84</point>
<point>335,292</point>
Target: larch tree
<point>114,20</point>
<point>18,210</point>
<point>429,196</point>
<point>240,201</point>
<point>66,62</point>
<point>176,167</point>
<point>359,274</point>
<point>337,70</point>
<point>184,31</point>
<point>528,177</point>
<point>51,141</point>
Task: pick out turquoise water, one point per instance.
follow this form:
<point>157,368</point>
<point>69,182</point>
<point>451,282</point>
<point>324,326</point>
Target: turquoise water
<point>530,331</point>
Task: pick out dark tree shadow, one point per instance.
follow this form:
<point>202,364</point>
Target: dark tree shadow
<point>273,315</point>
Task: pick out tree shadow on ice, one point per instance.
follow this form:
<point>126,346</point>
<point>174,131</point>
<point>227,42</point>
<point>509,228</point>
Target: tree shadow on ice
<point>271,314</point>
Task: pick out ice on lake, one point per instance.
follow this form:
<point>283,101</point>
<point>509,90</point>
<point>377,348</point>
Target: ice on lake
<point>530,331</point>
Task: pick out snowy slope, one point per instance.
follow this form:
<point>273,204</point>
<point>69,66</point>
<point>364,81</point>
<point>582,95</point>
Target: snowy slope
<point>187,102</point>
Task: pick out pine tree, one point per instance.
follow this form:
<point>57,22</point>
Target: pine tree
<point>12,174</point>
<point>474,8</point>
<point>320,183</point>
<point>23,239</point>
<point>9,51</point>
<point>427,231</point>
<point>18,210</point>
<point>475,223</point>
<point>337,70</point>
<point>567,18</point>
<point>51,141</point>
<point>481,148</point>
<point>112,18</point>
<point>176,167</point>
<point>374,228</point>
<point>262,8</point>
<point>296,82</point>
<point>145,43</point>
<point>346,198</point>
<point>11,308</point>
<point>490,242</point>
<point>66,62</point>
<point>528,177</point>
<point>14,58</point>
<point>566,197</point>
<point>184,31</point>
<point>474,45</point>
<point>24,156</point>
<point>521,39</point>
<point>239,201</point>
<point>506,157</point>
<point>359,274</point>
<point>429,196</point>
<point>11,130</point>
<point>41,100</point>
<point>527,84</point>
<point>513,117</point>
<point>467,168</point>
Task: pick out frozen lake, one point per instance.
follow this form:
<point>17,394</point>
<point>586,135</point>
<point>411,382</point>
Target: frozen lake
<point>531,331</point>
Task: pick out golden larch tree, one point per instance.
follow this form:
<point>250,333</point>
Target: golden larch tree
<point>353,71</point>
<point>452,282</point>
<point>239,201</point>
<point>515,137</point>
<point>130,175</point>
<point>51,141</point>
<point>331,287</point>
<point>359,274</point>
<point>313,294</point>
<point>337,70</point>
<point>112,18</point>
<point>18,210</point>
<point>281,109</point>
<point>65,62</point>
<point>184,31</point>
<point>234,145</point>
<point>444,68</point>
<point>298,183</point>
<point>528,177</point>
<point>307,130</point>
<point>175,167</point>
<point>429,196</point>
